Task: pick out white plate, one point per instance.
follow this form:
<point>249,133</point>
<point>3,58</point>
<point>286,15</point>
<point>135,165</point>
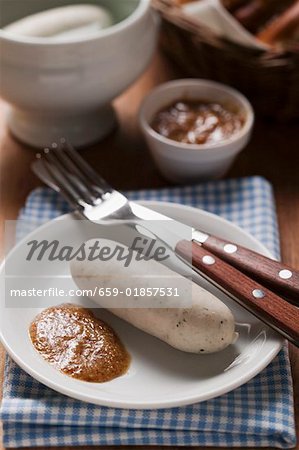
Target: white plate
<point>159,376</point>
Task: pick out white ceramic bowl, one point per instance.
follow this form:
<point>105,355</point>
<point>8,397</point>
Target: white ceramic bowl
<point>65,88</point>
<point>189,163</point>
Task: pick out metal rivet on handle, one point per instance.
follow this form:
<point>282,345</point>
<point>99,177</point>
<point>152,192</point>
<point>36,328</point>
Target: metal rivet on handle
<point>258,293</point>
<point>208,260</point>
<point>230,248</point>
<point>285,274</point>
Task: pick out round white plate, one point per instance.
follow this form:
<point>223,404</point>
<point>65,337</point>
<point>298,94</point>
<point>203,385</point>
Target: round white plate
<point>159,376</point>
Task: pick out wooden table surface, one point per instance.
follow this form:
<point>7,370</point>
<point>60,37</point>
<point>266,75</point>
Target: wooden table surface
<point>124,161</point>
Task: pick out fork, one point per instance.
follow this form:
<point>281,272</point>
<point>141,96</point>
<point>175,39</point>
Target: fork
<point>97,201</point>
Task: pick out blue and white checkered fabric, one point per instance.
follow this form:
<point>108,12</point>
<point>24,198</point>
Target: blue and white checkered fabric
<point>260,413</point>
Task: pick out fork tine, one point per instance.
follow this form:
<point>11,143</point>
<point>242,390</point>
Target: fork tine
<point>72,169</point>
<point>51,156</point>
<point>64,188</point>
<point>85,168</point>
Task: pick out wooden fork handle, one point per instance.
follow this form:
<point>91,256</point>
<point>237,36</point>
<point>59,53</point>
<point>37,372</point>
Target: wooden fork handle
<point>264,304</point>
<point>275,275</point>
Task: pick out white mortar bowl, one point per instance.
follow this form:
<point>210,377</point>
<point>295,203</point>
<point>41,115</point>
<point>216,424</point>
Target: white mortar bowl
<point>190,163</point>
<point>65,88</point>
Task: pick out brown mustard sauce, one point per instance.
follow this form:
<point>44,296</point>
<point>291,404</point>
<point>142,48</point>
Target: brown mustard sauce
<point>78,344</point>
<point>197,122</point>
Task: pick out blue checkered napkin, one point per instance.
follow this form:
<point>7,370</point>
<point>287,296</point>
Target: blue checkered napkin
<point>259,413</point>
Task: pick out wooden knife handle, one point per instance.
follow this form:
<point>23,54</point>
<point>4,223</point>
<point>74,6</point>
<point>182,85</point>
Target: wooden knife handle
<point>264,304</point>
<point>275,275</point>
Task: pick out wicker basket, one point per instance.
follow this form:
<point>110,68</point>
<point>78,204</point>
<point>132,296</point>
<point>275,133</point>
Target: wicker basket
<point>269,79</point>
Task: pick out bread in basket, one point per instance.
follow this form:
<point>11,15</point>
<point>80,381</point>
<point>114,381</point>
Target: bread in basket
<point>269,78</point>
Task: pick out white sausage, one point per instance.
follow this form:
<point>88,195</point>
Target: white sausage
<point>205,326</point>
<point>65,21</point>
